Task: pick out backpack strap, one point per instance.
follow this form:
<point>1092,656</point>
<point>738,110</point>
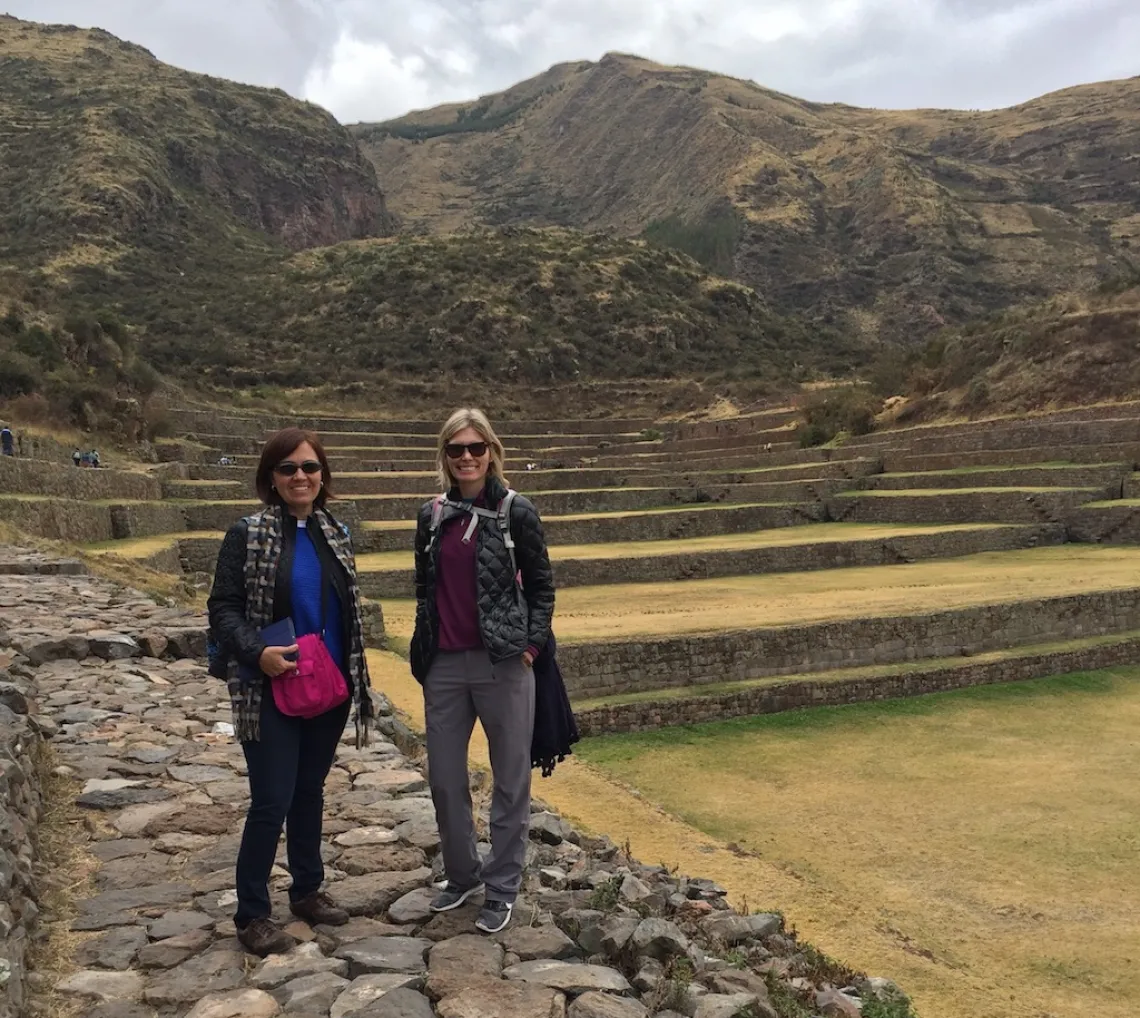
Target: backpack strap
<point>504,516</point>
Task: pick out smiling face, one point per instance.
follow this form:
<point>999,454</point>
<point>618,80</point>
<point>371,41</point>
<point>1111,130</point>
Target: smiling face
<point>468,471</point>
<point>300,490</point>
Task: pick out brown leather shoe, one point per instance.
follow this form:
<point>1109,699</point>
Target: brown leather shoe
<point>262,937</point>
<point>317,909</point>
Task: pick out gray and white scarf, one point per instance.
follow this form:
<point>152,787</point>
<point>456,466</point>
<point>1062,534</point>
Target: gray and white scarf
<point>264,544</point>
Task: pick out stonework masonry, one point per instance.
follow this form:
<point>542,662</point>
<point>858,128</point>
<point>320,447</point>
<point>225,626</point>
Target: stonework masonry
<point>649,715</point>
<point>608,668</point>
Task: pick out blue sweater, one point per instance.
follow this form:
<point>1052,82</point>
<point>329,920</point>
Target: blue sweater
<point>305,598</point>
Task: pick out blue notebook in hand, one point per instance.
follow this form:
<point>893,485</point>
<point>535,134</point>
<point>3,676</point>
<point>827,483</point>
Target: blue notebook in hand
<point>277,634</point>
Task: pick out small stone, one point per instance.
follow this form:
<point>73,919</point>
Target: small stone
<point>616,932</point>
<point>649,976</point>
<point>113,646</point>
<point>303,960</point>
<point>401,1002</point>
<point>568,977</point>
<point>115,949</point>
<point>726,1005</point>
<point>455,963</point>
<point>366,836</point>
<point>365,990</point>
<point>152,643</point>
<point>380,858</point>
<point>606,1005</point>
<point>177,842</point>
<point>175,922</point>
<point>735,929</point>
<point>659,938</point>
<point>833,1003</point>
<point>413,906</point>
<point>97,984</point>
<point>489,999</point>
<point>134,819</point>
<point>358,928</point>
<point>373,893</point>
<point>172,951</point>
<point>394,781</point>
<point>633,890</point>
<point>122,797</point>
<point>385,954</point>
<point>235,1004</point>
<point>532,942</point>
<point>549,828</point>
<point>198,774</point>
<point>312,994</point>
<point>151,896</point>
<point>215,971</point>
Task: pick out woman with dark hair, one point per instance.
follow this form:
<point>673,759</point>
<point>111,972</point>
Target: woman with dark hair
<point>484,601</point>
<point>291,561</point>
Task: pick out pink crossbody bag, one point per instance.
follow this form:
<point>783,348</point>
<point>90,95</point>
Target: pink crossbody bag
<point>316,685</point>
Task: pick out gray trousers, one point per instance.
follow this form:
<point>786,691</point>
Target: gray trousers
<point>459,687</point>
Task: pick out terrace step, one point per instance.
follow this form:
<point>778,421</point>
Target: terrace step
<point>609,500</point>
<point>647,525</point>
<point>634,637</point>
<point>792,549</point>
<point>902,458</point>
<point>1115,522</point>
<point>961,505</point>
<point>1108,477</point>
<point>717,702</point>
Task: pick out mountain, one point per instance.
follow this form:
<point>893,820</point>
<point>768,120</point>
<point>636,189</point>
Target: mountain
<point>886,224</point>
<point>1060,352</point>
<point>235,238</point>
<point>126,180</point>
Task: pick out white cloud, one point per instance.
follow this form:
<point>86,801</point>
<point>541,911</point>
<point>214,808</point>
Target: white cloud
<point>376,59</point>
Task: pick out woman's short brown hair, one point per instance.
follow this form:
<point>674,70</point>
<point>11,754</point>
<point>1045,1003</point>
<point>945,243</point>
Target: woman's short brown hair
<point>276,450</point>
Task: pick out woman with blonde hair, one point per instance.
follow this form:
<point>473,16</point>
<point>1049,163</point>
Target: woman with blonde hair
<point>484,601</point>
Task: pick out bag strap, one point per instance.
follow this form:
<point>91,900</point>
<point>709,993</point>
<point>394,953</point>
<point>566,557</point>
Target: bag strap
<point>502,516</point>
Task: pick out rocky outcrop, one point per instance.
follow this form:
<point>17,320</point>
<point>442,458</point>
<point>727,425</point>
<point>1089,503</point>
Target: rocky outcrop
<point>596,934</point>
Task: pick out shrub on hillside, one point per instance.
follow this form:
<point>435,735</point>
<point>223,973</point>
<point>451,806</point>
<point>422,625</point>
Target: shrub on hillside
<point>849,410</point>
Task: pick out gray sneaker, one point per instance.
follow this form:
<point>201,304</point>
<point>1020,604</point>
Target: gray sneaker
<point>452,896</point>
<point>494,916</point>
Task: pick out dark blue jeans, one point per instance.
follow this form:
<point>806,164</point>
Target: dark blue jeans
<point>287,771</point>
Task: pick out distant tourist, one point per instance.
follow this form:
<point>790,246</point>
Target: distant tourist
<point>483,612</point>
<point>302,583</point>
<point>7,441</point>
<point>77,458</point>
<point>94,457</point>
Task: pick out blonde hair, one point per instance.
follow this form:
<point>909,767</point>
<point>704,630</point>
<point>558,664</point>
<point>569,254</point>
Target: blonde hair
<point>469,417</point>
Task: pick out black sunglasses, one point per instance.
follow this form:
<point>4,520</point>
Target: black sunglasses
<point>289,468</point>
<point>455,450</point>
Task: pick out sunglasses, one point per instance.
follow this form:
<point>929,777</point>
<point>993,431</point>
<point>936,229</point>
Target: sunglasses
<point>455,450</point>
<point>289,468</point>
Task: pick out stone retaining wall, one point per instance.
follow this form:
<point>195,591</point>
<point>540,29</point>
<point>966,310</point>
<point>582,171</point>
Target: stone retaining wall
<point>960,507</point>
<point>653,714</point>
<point>607,668</point>
<point>744,425</point>
<point>38,477</point>
<point>1108,479</point>
<point>792,558</point>
<point>21,809</point>
<point>146,519</point>
<point>1110,524</point>
<point>58,519</point>
<point>220,491</point>
<point>903,459</point>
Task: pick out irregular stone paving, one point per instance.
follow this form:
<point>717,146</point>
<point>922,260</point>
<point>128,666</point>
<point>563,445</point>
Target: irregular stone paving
<point>596,935</point>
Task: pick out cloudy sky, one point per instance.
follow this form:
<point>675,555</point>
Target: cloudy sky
<point>375,59</point>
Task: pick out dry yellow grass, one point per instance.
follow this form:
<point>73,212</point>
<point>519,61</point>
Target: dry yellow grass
<point>782,537</point>
<point>978,847</point>
<point>622,611</point>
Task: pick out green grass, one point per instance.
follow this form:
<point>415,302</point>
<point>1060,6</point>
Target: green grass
<point>977,846</point>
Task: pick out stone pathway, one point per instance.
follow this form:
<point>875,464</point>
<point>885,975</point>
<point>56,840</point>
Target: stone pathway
<point>117,683</point>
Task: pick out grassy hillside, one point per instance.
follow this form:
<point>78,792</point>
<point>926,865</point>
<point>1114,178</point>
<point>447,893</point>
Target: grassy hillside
<point>127,182</point>
<point>508,306</point>
<point>887,224</point>
<point>1065,351</point>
